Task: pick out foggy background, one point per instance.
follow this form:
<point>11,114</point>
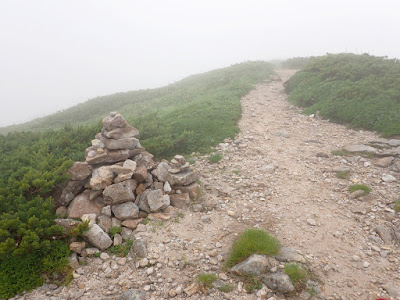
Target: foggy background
<point>55,54</point>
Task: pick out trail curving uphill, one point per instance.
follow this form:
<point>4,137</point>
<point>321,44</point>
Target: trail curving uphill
<point>276,175</point>
<point>285,158</point>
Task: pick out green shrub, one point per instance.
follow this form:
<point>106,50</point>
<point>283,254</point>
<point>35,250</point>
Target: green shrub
<point>295,63</point>
<point>206,279</point>
<point>80,229</point>
<point>21,273</point>
<point>252,241</point>
<point>362,187</point>
<point>215,158</point>
<point>362,91</point>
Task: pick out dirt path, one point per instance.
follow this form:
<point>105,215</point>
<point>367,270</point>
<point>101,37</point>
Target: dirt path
<point>274,175</point>
<point>284,180</point>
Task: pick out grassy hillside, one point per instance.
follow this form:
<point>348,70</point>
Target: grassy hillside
<point>191,115</point>
<point>362,91</point>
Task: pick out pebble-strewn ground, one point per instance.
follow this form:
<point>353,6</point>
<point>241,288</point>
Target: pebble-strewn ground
<point>276,175</point>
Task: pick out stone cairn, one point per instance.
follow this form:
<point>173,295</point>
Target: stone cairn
<point>119,185</point>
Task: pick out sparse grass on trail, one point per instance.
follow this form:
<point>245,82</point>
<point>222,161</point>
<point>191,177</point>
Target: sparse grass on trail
<point>340,152</point>
<point>397,205</point>
<point>252,241</point>
<point>206,279</point>
<point>226,288</point>
<point>343,174</point>
<point>362,187</point>
<point>215,158</point>
<point>362,91</point>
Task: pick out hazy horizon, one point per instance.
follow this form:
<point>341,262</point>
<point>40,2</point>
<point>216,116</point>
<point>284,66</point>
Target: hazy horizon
<point>56,54</point>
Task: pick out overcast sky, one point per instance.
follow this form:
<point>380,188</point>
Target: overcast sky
<point>54,54</point>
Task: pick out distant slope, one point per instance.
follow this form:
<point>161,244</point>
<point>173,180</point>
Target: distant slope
<point>190,115</point>
<point>359,90</point>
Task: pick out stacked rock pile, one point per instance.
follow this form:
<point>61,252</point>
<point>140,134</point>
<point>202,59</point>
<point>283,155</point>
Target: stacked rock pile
<point>120,184</point>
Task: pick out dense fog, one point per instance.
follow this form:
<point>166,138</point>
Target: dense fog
<point>55,54</point>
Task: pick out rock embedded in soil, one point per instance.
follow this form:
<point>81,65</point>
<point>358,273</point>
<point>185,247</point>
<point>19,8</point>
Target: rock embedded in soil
<point>254,265</point>
<point>360,148</point>
<point>287,254</point>
<point>279,282</point>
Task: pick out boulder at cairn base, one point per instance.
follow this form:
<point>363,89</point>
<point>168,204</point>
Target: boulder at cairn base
<point>98,238</point>
<point>83,205</point>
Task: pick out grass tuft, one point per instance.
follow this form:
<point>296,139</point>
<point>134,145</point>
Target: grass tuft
<point>215,158</point>
<point>397,205</point>
<point>252,241</point>
<point>343,174</point>
<point>226,288</point>
<point>206,279</point>
<point>362,187</point>
<point>121,250</point>
<point>114,230</point>
<point>298,275</point>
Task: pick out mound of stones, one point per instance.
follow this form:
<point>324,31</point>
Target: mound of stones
<point>119,185</point>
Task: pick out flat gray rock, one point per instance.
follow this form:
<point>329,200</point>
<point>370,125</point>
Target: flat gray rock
<point>287,254</point>
<point>254,265</point>
<point>360,148</point>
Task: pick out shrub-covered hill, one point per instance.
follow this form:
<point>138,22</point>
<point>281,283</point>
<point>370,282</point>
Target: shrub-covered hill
<point>359,90</point>
<point>295,63</point>
<point>191,115</point>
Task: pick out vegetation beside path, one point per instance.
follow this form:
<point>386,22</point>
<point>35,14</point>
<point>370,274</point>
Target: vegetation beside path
<point>362,91</point>
<point>194,114</point>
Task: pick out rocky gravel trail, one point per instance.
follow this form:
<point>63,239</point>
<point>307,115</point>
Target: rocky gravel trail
<point>284,165</point>
<point>278,174</point>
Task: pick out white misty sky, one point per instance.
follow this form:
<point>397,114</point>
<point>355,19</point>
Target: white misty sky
<point>54,54</point>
